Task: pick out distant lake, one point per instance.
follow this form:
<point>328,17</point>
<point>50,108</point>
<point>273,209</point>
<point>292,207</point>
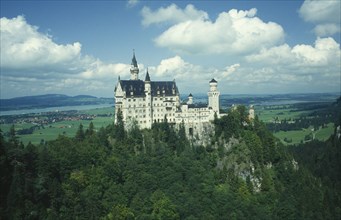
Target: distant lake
<point>54,109</point>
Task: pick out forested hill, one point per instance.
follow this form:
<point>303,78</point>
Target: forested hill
<point>50,100</point>
<point>244,173</point>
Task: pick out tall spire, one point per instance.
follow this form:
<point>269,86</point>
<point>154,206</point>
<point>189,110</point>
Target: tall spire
<point>133,61</point>
<point>147,79</point>
<point>134,69</point>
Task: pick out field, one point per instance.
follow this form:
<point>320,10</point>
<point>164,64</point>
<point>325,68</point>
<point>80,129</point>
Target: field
<point>279,112</point>
<point>298,136</point>
<point>68,128</point>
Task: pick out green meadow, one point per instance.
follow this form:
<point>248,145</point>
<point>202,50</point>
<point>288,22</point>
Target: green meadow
<point>104,117</point>
<point>298,136</point>
<point>51,131</point>
<point>284,112</point>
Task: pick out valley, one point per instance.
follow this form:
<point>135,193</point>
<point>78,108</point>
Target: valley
<point>274,110</point>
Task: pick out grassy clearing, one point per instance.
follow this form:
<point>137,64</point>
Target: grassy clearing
<point>268,115</point>
<point>297,136</point>
<point>325,133</point>
<point>51,131</point>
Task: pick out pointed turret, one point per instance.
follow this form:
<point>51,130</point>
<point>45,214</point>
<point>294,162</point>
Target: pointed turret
<point>213,85</point>
<point>134,69</point>
<point>133,61</point>
<point>190,99</point>
<point>147,79</point>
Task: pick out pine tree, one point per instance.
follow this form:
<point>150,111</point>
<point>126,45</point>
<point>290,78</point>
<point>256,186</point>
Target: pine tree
<point>90,131</point>
<point>13,138</point>
<point>80,133</point>
<point>119,132</point>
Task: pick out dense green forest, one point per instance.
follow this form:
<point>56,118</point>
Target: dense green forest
<point>111,173</point>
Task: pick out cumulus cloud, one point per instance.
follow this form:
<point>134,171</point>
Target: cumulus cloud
<point>325,53</point>
<point>171,14</point>
<point>320,11</point>
<point>233,32</point>
<point>31,62</point>
<point>308,68</point>
<point>324,14</point>
<point>23,47</point>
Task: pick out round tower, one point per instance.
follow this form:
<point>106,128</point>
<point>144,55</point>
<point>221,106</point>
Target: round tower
<point>213,96</point>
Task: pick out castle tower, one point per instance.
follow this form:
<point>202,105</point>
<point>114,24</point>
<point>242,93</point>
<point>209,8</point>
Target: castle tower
<point>213,96</point>
<point>134,69</point>
<point>148,93</point>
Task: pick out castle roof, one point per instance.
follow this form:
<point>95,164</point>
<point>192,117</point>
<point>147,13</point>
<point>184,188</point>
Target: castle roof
<point>213,81</point>
<point>136,88</point>
<point>197,105</point>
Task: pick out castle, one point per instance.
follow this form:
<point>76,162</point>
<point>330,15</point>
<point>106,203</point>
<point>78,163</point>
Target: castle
<point>146,102</point>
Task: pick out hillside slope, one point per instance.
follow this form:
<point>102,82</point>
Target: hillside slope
<point>245,173</point>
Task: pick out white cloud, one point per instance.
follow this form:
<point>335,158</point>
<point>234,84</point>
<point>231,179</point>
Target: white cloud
<point>23,47</point>
<point>325,53</point>
<point>171,14</point>
<point>321,11</point>
<point>172,66</point>
<point>301,68</point>
<point>31,62</point>
<point>229,70</point>
<point>233,32</point>
<point>325,14</point>
<point>323,30</point>
<point>132,3</point>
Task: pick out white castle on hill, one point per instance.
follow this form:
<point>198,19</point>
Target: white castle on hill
<point>146,102</point>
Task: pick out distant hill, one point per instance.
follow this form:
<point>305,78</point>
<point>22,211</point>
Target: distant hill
<point>50,100</point>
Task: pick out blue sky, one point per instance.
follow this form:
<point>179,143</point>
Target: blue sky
<point>250,47</point>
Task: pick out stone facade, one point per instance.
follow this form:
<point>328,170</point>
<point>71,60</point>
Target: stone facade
<point>146,102</point>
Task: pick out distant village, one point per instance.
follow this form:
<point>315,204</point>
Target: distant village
<point>46,118</point>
